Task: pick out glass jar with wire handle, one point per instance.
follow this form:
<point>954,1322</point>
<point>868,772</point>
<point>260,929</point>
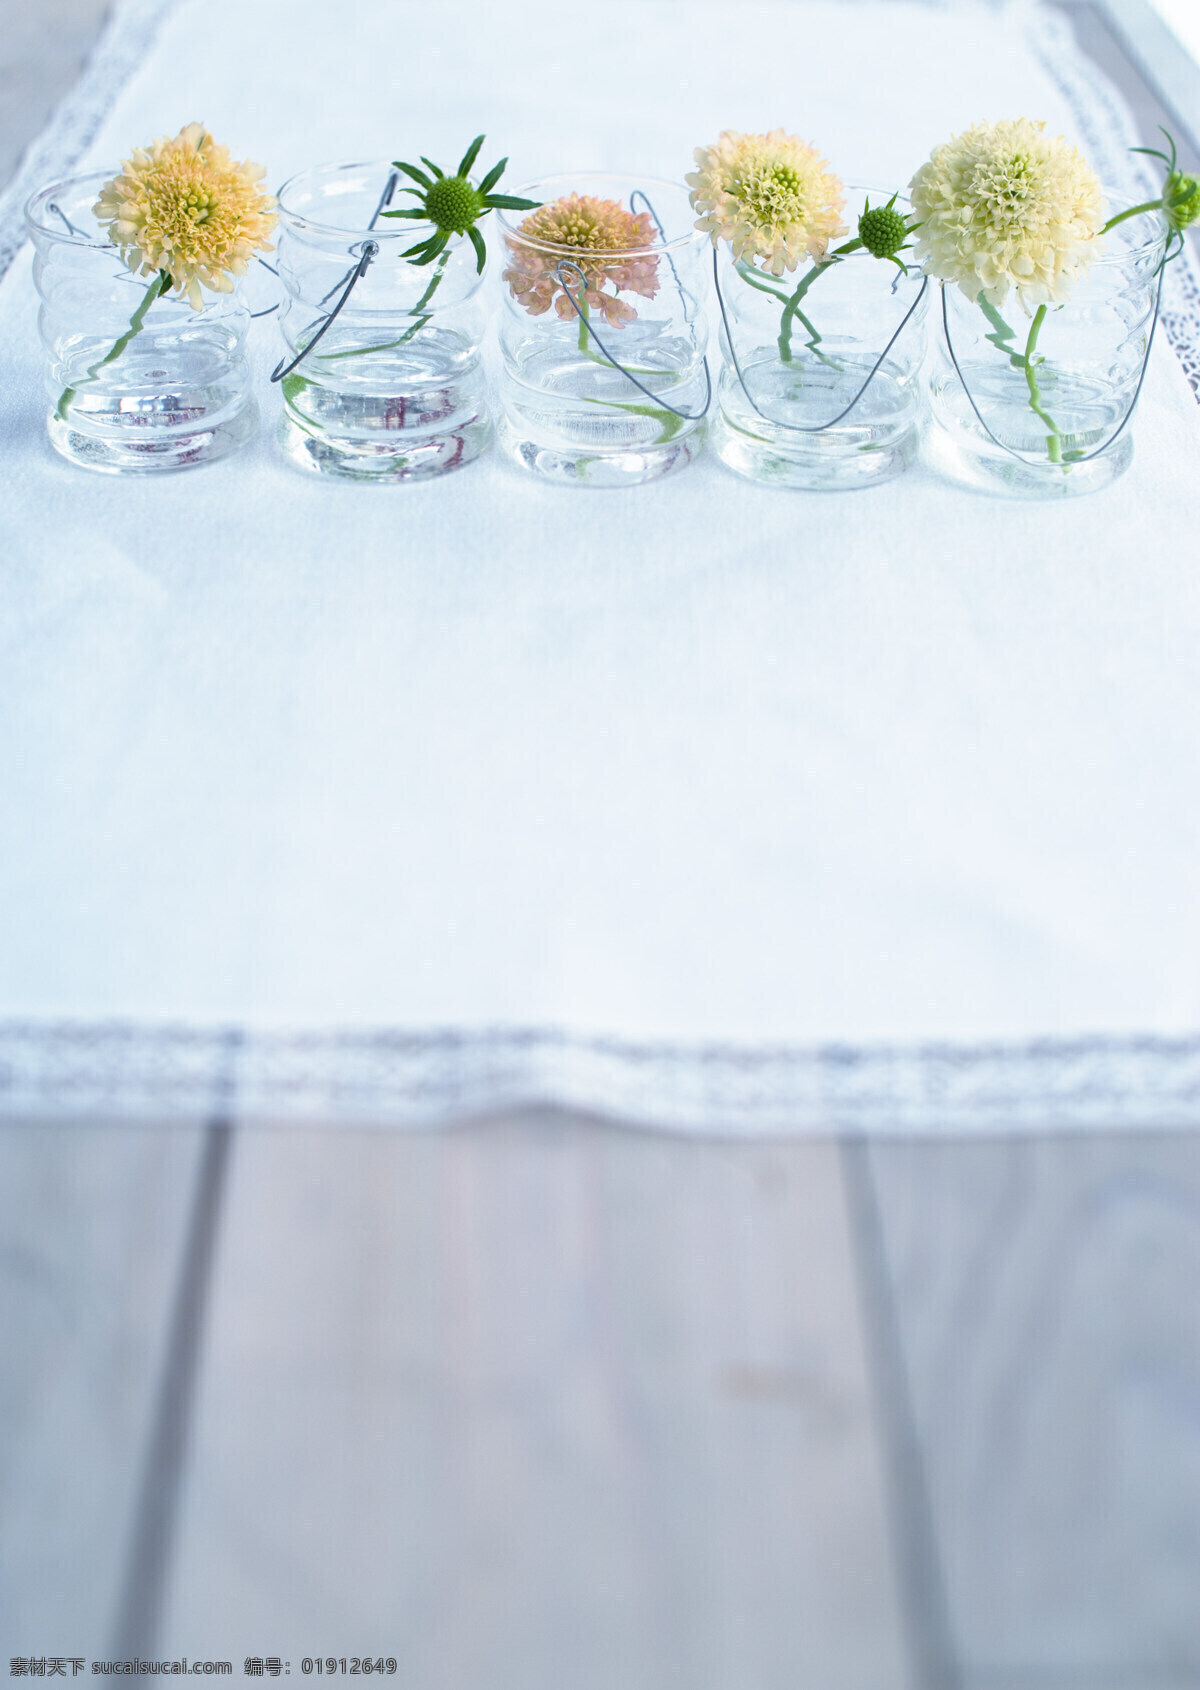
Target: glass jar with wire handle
<point>604,379</point>
<point>383,319</point>
<point>820,381</point>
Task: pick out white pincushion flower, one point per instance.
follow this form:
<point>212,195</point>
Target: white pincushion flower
<point>770,196</point>
<point>1004,205</point>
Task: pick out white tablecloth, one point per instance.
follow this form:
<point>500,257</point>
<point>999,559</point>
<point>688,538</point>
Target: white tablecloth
<point>713,805</point>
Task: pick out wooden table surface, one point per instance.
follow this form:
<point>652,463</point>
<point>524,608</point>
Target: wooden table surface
<point>545,1403</point>
<point>542,1400</point>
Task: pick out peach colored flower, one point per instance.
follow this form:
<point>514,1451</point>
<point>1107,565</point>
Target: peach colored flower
<point>576,230</point>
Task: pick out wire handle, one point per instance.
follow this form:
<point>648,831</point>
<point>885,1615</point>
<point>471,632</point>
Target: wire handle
<point>659,401</point>
<point>1040,463</point>
<point>811,428</point>
<point>53,206</point>
<point>370,251</point>
<point>267,310</point>
<point>385,198</point>
<point>640,194</point>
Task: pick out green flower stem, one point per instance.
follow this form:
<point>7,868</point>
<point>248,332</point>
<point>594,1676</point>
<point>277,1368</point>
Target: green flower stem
<point>812,343</point>
<point>790,312</point>
<point>792,308</point>
<point>292,387</point>
<point>362,351</point>
<point>154,290</point>
<point>791,302</point>
<point>1054,438</point>
<point>584,337</point>
<point>583,342</point>
<point>389,345</point>
<point>1002,336</point>
<point>1166,204</point>
<point>748,274</point>
<point>667,420</point>
<point>1134,211</point>
<point>419,307</point>
<point>433,285</point>
<point>584,345</point>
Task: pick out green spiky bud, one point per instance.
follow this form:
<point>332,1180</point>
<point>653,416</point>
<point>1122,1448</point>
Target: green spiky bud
<point>1181,200</point>
<point>453,204</point>
<point>882,231</point>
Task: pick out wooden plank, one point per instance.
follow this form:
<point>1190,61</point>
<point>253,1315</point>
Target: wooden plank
<point>43,48</point>
<point>1048,1298</point>
<point>92,1223</point>
<point>539,1403</point>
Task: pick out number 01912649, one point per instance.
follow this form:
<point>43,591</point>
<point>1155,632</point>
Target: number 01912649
<point>350,1664</point>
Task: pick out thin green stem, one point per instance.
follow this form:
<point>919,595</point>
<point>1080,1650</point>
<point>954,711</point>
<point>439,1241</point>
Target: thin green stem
<point>422,317</point>
<point>154,290</point>
<point>433,285</point>
<point>813,345</point>
<point>1002,335</point>
<point>291,386</point>
<point>424,301</point>
<point>1165,204</point>
<point>790,312</point>
<point>1134,211</point>
<point>1054,438</point>
<point>791,301</point>
<point>669,422</point>
<point>584,346</point>
<point>749,274</point>
<point>362,351</point>
<point>792,308</point>
<point>584,338</point>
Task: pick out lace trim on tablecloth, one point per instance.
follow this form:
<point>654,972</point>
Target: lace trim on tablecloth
<point>1108,131</point>
<point>423,1078</point>
<point>123,45</point>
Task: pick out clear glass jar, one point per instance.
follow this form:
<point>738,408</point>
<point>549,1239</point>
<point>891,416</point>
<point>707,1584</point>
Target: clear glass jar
<point>1060,426</point>
<point>615,395</point>
<point>826,394</point>
<point>176,395</point>
<point>395,389</point>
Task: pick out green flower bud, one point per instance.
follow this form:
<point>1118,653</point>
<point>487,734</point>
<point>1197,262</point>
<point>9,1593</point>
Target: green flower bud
<point>1181,200</point>
<point>882,231</point>
<point>453,204</point>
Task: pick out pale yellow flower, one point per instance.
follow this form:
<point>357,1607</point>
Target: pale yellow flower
<point>1004,205</point>
<point>772,197</point>
<point>185,207</point>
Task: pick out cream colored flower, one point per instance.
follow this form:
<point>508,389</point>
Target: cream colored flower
<point>770,196</point>
<point>584,231</point>
<point>1004,205</point>
<point>185,207</point>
